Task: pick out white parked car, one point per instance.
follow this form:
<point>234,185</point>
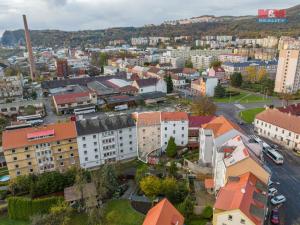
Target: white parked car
<point>272,191</point>
<point>278,199</point>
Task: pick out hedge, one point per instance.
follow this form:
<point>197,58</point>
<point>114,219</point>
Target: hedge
<point>21,208</point>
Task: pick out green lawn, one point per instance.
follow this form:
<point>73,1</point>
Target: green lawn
<point>243,97</point>
<point>6,221</point>
<point>120,212</point>
<point>249,115</point>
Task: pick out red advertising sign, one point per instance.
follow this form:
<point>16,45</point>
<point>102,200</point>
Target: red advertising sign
<point>272,15</point>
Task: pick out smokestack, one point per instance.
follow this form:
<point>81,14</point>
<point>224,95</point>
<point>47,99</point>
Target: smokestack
<point>29,49</point>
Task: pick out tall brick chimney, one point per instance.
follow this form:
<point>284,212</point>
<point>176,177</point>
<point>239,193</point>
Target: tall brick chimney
<point>29,49</point>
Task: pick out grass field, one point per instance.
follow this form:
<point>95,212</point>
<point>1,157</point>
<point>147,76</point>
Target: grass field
<point>243,97</point>
<point>6,221</point>
<point>249,115</point>
<point>120,212</point>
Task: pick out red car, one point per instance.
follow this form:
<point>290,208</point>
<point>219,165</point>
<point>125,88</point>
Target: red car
<point>275,216</point>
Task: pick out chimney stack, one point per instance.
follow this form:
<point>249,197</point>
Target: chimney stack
<point>29,49</point>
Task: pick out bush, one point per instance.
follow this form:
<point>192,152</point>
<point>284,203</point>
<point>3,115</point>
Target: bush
<point>43,184</point>
<point>21,208</point>
<point>207,212</point>
<point>3,194</point>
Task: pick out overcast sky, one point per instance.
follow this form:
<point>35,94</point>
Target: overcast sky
<point>99,14</point>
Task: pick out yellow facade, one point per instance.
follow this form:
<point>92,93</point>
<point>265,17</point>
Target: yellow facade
<point>231,217</point>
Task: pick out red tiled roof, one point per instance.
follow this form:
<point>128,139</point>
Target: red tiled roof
<point>146,82</point>
<point>198,121</point>
<point>293,109</point>
<point>221,125</point>
<point>164,213</point>
<point>19,138</point>
<point>42,133</point>
<point>238,194</point>
<point>70,97</point>
<point>174,116</point>
<point>280,119</point>
<point>147,118</point>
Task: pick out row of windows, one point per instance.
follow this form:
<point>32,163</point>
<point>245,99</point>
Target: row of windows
<point>166,128</point>
<point>230,218</point>
<point>109,153</point>
<point>270,126</point>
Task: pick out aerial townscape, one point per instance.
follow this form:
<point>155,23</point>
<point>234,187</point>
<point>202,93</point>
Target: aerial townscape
<point>193,120</point>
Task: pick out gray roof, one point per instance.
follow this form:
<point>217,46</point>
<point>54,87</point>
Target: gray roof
<point>103,124</point>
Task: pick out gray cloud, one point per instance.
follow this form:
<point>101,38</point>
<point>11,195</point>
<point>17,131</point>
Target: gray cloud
<point>98,14</point>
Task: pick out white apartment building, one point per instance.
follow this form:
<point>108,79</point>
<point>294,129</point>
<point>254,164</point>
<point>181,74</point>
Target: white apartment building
<point>139,41</point>
<point>186,54</point>
<point>106,139</point>
<point>202,61</point>
<point>174,124</point>
<point>279,126</point>
<point>288,72</point>
<point>176,62</point>
<point>232,58</point>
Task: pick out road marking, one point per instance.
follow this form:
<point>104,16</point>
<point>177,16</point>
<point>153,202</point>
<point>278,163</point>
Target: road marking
<point>239,106</point>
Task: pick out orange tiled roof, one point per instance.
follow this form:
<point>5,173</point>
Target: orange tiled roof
<point>174,116</point>
<point>148,118</point>
<point>221,125</point>
<point>239,194</point>
<point>280,119</point>
<point>18,138</point>
<point>164,213</point>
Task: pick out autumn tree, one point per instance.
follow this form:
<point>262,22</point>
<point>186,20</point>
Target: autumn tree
<point>151,186</point>
<point>251,73</point>
<point>261,74</point>
<point>215,63</point>
<point>203,106</point>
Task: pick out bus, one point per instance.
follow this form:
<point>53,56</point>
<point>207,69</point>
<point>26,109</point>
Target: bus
<point>275,156</point>
<point>85,110</point>
<point>18,126</point>
<point>31,119</point>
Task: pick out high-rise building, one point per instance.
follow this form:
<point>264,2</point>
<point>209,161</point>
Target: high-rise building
<point>62,69</point>
<point>288,72</point>
<point>29,49</point>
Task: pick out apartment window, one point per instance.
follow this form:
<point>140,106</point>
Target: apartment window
<point>85,152</point>
<point>144,130</point>
<point>29,163</point>
<point>230,217</point>
<point>28,156</point>
<point>130,142</point>
<point>182,128</point>
<point>13,150</point>
<point>130,148</point>
<point>166,128</point>
<point>182,142</point>
<point>174,131</point>
<point>72,154</point>
<point>297,136</point>
<point>129,129</point>
<point>17,166</point>
<point>83,138</point>
<point>96,156</point>
<point>283,131</point>
<point>96,150</point>
<point>84,145</point>
<point>61,163</point>
<point>58,142</point>
<point>36,146</point>
<point>31,170</point>
<point>121,150</point>
<point>26,148</point>
<point>182,135</point>
<point>120,132</point>
<point>95,143</point>
<point>70,140</point>
<point>18,173</point>
<point>243,221</point>
<point>121,138</point>
<point>86,158</point>
<point>130,136</point>
<point>94,136</point>
<point>15,158</point>
<point>290,134</point>
<point>60,156</point>
<point>59,150</point>
<point>121,144</point>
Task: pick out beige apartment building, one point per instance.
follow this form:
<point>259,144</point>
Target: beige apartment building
<point>288,72</point>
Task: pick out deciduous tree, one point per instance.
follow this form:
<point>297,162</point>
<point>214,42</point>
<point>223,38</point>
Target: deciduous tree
<point>151,186</point>
<point>171,149</point>
<point>203,106</point>
<point>236,79</point>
